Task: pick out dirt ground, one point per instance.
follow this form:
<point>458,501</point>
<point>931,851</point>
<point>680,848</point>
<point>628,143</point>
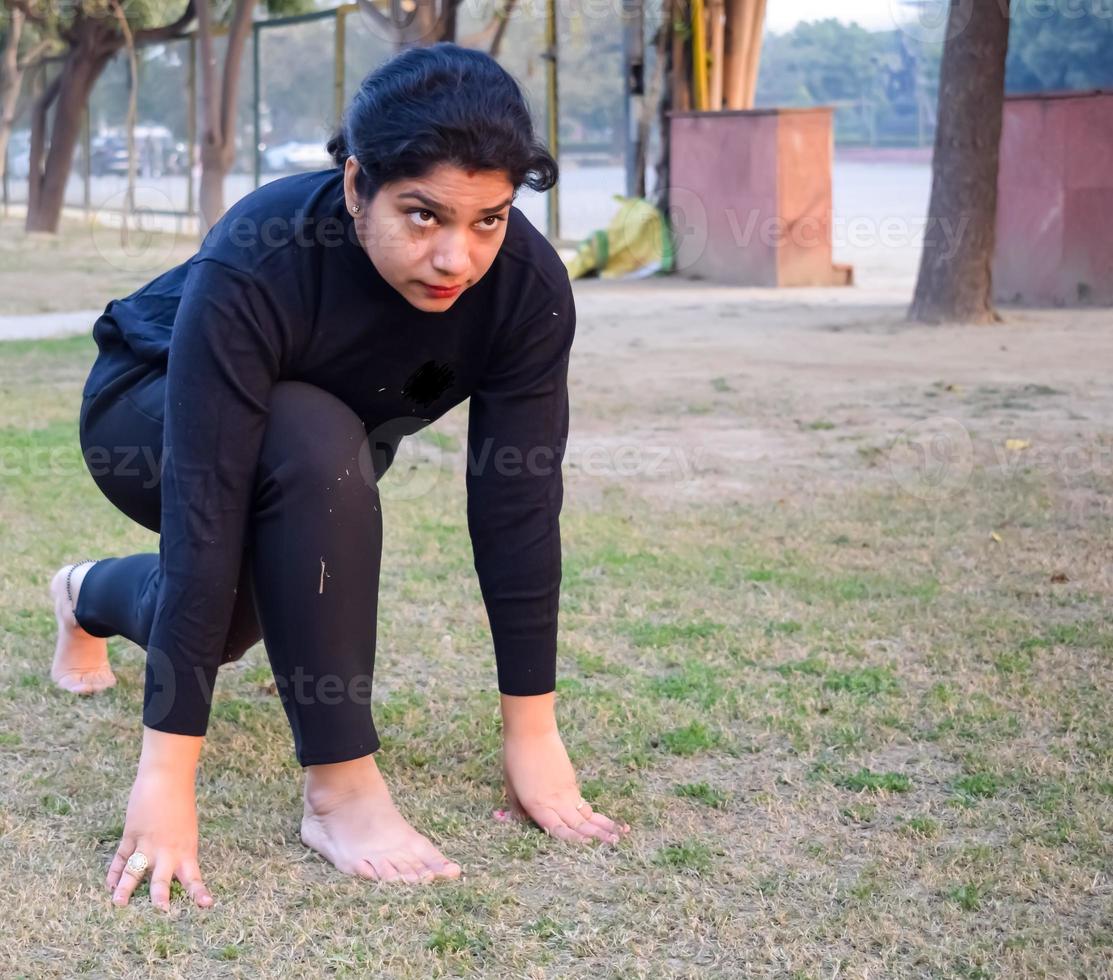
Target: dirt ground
<point>731,393</point>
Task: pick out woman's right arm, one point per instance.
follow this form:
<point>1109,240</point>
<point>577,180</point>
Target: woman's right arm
<point>161,822</point>
<point>227,350</point>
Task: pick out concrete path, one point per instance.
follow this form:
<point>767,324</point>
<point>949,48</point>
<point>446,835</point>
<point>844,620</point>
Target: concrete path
<point>36,326</point>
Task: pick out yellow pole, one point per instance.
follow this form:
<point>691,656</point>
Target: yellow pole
<point>699,56</point>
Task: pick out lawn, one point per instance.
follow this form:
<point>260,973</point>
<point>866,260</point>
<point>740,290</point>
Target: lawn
<point>858,730</point>
<point>81,268</point>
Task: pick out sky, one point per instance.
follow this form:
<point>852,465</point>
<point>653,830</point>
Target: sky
<point>781,15</point>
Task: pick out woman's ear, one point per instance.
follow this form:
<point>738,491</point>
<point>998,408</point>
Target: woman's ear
<point>351,168</point>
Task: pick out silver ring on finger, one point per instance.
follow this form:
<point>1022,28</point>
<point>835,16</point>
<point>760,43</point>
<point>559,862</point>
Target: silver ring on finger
<point>137,864</point>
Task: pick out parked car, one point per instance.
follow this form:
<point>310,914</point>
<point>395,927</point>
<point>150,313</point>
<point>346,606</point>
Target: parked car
<point>157,153</point>
<point>295,156</point>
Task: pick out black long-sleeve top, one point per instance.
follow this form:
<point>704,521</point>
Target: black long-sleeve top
<point>281,288</point>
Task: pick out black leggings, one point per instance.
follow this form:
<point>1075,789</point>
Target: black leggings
<point>322,652</point>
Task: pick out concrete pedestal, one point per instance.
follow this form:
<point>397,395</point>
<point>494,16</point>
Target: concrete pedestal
<point>750,197</point>
<point>1054,246</point>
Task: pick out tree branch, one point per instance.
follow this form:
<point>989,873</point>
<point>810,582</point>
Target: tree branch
<point>31,58</point>
<point>154,34</point>
<point>381,19</point>
<point>24,7</point>
<point>491,34</point>
<point>233,61</point>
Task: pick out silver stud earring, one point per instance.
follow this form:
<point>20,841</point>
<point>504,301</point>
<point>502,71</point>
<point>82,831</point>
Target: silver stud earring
<point>355,209</point>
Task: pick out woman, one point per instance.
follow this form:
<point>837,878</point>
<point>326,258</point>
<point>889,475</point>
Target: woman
<point>245,405</point>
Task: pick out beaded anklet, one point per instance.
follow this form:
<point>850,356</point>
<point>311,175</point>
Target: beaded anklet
<point>69,590</point>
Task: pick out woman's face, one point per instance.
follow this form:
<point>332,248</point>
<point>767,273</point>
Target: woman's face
<point>443,229</point>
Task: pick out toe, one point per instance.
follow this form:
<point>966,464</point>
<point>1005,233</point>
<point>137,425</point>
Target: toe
<point>75,685</point>
<point>102,681</point>
<point>424,872</point>
<point>384,868</point>
<point>365,869</point>
<point>411,873</point>
<point>442,867</point>
<point>428,855</point>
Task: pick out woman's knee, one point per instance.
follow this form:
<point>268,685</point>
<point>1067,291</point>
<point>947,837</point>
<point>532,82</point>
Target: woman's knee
<point>313,438</point>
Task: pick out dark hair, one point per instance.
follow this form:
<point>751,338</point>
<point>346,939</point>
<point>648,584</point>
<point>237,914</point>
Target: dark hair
<point>440,104</point>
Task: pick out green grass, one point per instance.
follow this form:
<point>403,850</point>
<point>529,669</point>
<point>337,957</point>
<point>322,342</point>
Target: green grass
<point>924,827</point>
<point>698,683</point>
<point>691,855</point>
<point>449,938</point>
<point>864,681</point>
<point>691,739</point>
<point>853,735</point>
<point>703,793</point>
<point>877,782</point>
<point>967,897</point>
<point>976,785</point>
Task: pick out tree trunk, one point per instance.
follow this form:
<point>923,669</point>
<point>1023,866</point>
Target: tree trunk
<point>955,283</point>
<point>46,183</point>
<point>133,108</point>
<point>218,108</point>
<point>680,73</point>
<point>92,41</point>
<point>669,73</point>
<point>11,77</point>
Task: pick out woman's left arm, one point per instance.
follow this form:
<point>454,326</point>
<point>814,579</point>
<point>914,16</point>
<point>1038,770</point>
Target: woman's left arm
<point>517,430</point>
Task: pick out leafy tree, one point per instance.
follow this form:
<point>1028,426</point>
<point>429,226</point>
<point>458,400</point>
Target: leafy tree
<point>1060,47</point>
<point>90,34</point>
<point>22,49</point>
<point>878,81</point>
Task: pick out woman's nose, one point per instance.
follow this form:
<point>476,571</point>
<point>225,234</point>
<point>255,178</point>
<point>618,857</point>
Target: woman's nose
<point>450,258</point>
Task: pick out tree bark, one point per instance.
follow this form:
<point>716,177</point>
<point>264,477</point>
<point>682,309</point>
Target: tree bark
<point>218,110</point>
<point>92,41</point>
<point>668,73</point>
<point>133,107</point>
<point>493,32</point>
<point>11,78</point>
<point>13,70</point>
<point>50,166</point>
<point>954,282</point>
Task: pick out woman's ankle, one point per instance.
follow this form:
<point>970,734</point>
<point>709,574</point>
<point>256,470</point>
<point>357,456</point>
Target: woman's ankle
<point>76,576</point>
<point>339,780</point>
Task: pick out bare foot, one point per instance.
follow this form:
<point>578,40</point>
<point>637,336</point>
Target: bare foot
<point>351,821</point>
<point>80,660</point>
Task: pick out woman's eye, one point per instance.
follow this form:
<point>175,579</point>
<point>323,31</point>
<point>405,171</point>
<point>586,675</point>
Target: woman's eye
<point>421,214</point>
<point>491,217</point>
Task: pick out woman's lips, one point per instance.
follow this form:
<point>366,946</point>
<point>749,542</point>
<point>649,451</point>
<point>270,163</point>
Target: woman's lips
<point>442,292</point>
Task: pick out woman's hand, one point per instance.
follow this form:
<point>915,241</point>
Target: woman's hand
<point>541,786</point>
<point>161,822</point>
